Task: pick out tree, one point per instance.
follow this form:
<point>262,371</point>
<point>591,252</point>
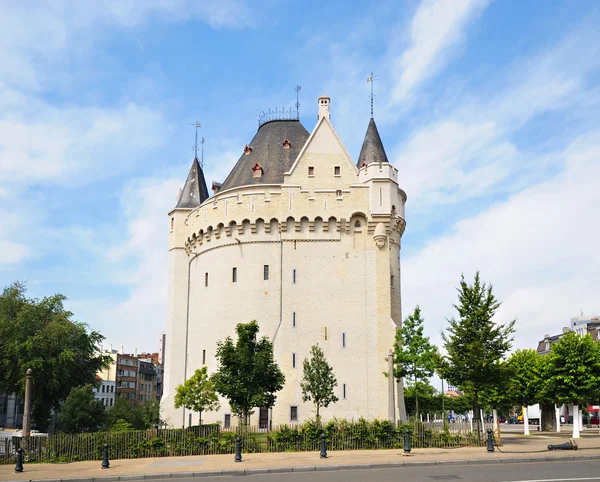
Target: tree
<point>197,394</point>
<point>41,335</point>
<point>414,355</point>
<point>524,384</point>
<point>475,345</point>
<point>125,416</point>
<point>81,412</point>
<point>572,373</point>
<point>318,381</point>
<point>248,376</point>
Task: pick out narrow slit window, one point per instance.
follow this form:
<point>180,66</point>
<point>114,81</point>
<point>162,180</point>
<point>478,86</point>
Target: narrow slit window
<point>293,414</point>
<point>338,194</point>
<point>227,422</point>
<point>294,319</point>
<point>234,275</point>
<point>311,170</point>
<point>392,280</point>
<point>293,360</point>
<point>204,357</point>
<point>344,391</point>
<point>172,223</point>
<point>294,277</point>
<point>343,340</point>
<point>205,279</point>
<point>266,272</point>
<point>336,171</point>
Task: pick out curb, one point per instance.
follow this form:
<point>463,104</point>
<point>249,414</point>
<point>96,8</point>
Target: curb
<point>310,468</point>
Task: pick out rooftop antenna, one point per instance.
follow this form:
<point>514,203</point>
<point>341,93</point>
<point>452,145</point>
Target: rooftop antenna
<point>297,90</point>
<point>202,154</point>
<point>372,81</point>
<point>197,124</point>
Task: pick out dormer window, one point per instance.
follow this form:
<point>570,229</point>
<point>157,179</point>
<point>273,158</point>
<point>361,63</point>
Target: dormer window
<point>247,150</point>
<point>286,143</point>
<point>257,170</point>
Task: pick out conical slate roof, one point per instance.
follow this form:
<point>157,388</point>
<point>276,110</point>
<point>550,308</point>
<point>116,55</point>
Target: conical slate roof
<point>268,150</point>
<point>372,149</point>
<point>194,191</point>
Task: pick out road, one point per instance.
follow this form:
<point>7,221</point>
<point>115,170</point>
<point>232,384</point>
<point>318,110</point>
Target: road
<point>582,471</point>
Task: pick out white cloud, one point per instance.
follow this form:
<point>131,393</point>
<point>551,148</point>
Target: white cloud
<point>12,253</point>
<point>539,249</point>
<point>437,28</point>
<point>469,151</point>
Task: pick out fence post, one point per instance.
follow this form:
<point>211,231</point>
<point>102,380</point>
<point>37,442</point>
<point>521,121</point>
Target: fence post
<point>105,462</point>
<point>19,466</point>
<point>490,440</point>
<point>238,449</point>
<point>407,441</point>
<point>323,453</point>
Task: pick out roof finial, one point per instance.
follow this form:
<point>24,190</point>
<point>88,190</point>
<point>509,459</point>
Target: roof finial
<point>371,80</point>
<point>197,124</point>
<point>297,90</point>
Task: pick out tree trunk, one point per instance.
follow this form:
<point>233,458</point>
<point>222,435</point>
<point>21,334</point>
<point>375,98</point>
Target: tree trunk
<point>416,400</point>
<point>548,417</point>
<point>476,412</point>
<point>557,419</point>
<point>200,420</point>
<point>525,420</point>
<point>496,426</point>
<point>318,416</point>
<point>576,421</point>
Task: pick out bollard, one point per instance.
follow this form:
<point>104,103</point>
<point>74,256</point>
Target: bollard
<point>19,466</point>
<point>105,462</point>
<point>323,446</point>
<point>238,449</point>
<point>490,433</point>
<point>407,441</point>
<point>570,445</point>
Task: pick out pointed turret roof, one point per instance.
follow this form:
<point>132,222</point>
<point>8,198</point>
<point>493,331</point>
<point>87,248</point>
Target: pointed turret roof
<point>372,149</point>
<point>194,191</point>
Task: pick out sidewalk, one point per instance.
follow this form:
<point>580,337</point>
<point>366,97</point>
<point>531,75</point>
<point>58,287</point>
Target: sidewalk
<point>515,448</point>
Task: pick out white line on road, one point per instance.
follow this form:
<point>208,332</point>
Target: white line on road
<point>555,480</point>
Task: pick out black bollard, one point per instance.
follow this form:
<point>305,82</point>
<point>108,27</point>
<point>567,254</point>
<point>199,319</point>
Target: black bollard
<point>323,446</point>
<point>238,449</point>
<point>105,462</point>
<point>19,466</point>
<point>570,445</point>
<point>490,441</point>
<point>407,441</point>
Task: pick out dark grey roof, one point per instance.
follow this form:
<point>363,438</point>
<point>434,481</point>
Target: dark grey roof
<point>194,191</point>
<point>268,151</point>
<point>372,149</point>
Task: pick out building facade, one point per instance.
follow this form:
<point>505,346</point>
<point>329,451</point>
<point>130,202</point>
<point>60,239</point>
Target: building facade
<point>105,391</point>
<point>304,240</point>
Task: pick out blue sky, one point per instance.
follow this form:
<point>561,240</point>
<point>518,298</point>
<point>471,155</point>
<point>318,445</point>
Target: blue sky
<point>489,110</point>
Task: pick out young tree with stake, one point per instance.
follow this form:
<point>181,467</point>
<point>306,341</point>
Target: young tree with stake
<point>318,381</point>
<point>197,394</point>
<point>414,355</point>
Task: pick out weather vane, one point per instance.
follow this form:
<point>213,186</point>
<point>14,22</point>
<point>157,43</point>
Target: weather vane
<point>197,124</point>
<point>371,80</point>
<point>297,90</point>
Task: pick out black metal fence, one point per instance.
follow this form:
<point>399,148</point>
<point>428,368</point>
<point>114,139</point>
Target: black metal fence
<point>213,439</point>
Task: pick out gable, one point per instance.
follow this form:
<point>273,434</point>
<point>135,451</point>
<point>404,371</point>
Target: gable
<point>323,162</point>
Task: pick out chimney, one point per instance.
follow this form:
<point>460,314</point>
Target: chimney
<point>566,329</point>
<point>546,337</point>
<point>122,352</point>
<point>135,352</point>
<point>324,107</point>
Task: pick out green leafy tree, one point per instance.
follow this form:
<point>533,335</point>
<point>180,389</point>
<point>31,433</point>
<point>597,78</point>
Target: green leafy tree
<point>248,376</point>
<point>81,412</point>
<point>197,393</point>
<point>475,345</point>
<point>525,383</point>
<point>318,381</point>
<point>497,396</point>
<point>571,372</point>
<point>414,355</point>
<point>41,335</point>
<point>123,415</point>
<point>426,396</point>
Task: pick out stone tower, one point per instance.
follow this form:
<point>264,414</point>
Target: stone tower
<point>306,242</point>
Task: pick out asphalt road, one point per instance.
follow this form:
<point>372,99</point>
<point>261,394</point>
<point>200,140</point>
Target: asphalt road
<point>583,471</point>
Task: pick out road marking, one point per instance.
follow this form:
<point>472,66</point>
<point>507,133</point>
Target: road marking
<point>555,480</point>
